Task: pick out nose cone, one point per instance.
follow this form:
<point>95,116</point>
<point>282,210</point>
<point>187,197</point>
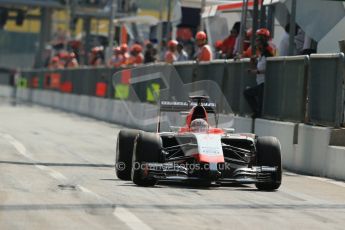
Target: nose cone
<point>208,158</point>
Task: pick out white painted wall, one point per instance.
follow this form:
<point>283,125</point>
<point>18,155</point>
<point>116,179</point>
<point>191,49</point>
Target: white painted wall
<point>284,131</point>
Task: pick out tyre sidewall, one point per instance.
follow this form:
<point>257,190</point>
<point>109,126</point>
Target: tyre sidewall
<point>124,151</point>
<point>147,149</point>
<point>269,154</point>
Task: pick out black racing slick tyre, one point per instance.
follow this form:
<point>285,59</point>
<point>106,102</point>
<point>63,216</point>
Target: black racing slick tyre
<point>124,151</point>
<point>269,154</point>
<point>147,149</point>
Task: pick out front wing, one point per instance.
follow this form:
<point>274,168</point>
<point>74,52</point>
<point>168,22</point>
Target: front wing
<point>171,171</point>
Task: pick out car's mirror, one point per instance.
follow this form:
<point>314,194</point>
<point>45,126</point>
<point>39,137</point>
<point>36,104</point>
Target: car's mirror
<point>229,130</point>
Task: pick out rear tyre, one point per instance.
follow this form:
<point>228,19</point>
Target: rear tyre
<point>269,154</point>
<point>147,149</point>
<point>124,152</point>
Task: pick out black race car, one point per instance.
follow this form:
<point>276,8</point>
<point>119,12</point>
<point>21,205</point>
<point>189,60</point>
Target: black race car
<point>198,152</point>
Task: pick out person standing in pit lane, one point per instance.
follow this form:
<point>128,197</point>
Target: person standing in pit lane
<point>170,54</point>
<point>204,52</point>
<point>71,61</point>
<point>181,53</point>
<point>96,57</point>
<point>136,58</point>
<point>254,95</point>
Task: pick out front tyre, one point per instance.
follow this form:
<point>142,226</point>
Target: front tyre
<point>269,154</point>
<point>147,149</point>
<point>124,151</point>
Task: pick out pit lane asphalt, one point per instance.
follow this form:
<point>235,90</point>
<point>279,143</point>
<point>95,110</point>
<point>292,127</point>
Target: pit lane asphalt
<point>57,172</point>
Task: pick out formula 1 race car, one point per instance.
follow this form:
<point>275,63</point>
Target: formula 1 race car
<point>197,151</point>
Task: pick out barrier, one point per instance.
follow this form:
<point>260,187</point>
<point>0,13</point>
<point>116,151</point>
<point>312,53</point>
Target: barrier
<point>325,93</point>
<point>287,81</point>
<point>66,87</point>
<point>186,70</point>
<point>101,89</point>
<point>287,134</point>
<point>17,49</point>
<point>243,124</point>
<point>286,88</point>
<point>211,71</point>
<point>335,163</point>
<point>52,79</point>
<point>305,148</point>
<point>22,83</point>
<point>6,76</point>
<point>6,91</point>
<point>236,80</point>
<point>311,150</point>
<point>33,78</point>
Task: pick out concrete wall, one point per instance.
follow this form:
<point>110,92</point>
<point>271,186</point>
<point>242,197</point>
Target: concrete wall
<point>285,132</point>
<point>311,150</point>
<point>335,162</point>
<point>305,149</point>
<point>243,124</point>
<point>6,91</point>
<point>128,114</point>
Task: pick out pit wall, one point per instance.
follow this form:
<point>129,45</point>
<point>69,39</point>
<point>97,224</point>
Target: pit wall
<point>305,148</point>
<point>6,91</point>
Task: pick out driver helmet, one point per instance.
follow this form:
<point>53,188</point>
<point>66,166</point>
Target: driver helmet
<point>199,126</point>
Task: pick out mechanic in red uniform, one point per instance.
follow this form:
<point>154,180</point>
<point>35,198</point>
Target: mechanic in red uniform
<point>204,52</point>
<point>264,34</point>
<point>96,57</point>
<point>170,55</point>
<point>55,63</point>
<point>254,95</point>
<point>228,45</point>
<point>71,61</point>
<point>136,57</point>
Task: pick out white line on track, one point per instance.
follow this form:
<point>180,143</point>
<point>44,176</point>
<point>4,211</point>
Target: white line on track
<point>23,151</point>
<point>123,214</point>
<point>130,219</point>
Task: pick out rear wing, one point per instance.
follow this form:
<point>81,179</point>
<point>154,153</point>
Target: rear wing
<point>178,106</point>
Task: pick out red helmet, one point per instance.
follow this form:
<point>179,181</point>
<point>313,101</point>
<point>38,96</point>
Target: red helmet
<point>137,48</point>
<point>124,47</point>
<point>263,32</point>
<point>218,44</point>
<point>201,35</point>
<point>172,43</point>
<point>55,59</point>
